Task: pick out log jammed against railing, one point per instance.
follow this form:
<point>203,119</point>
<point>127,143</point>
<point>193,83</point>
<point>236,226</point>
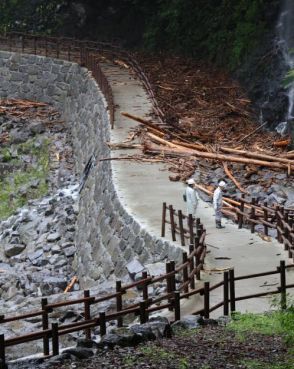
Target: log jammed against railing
<point>252,213</point>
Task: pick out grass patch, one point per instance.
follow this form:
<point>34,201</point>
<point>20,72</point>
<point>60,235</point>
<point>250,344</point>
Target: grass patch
<point>254,364</point>
<point>12,185</point>
<point>156,355</point>
<point>275,323</point>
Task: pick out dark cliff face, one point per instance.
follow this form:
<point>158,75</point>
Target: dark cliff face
<point>263,71</point>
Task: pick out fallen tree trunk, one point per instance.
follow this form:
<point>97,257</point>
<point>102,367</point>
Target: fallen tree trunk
<point>257,155</point>
<point>153,126</point>
<point>230,175</point>
<point>174,152</point>
<point>143,121</point>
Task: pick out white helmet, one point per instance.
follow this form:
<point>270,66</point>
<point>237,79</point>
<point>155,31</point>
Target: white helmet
<point>190,181</point>
<point>222,184</point>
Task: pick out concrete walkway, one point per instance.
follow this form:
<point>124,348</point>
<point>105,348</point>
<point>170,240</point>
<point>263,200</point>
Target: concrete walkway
<point>142,187</point>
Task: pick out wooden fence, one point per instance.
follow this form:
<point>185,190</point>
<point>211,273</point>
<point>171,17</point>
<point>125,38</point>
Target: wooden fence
<point>171,300</point>
<point>185,226</point>
<point>278,218</point>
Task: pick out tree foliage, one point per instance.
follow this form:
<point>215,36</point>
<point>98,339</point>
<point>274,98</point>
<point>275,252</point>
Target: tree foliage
<point>224,31</point>
<point>38,16</point>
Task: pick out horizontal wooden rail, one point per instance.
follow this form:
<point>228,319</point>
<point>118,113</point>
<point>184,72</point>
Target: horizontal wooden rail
<point>263,274</point>
<point>255,295</point>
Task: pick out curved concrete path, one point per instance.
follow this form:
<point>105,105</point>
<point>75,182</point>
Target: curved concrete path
<point>142,187</point>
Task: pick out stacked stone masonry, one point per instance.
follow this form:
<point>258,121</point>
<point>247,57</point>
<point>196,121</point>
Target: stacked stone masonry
<point>107,237</point>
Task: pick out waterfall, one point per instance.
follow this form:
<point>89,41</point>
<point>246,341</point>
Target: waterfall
<point>285,29</point>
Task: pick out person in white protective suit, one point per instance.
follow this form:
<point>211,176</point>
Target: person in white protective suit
<point>217,203</point>
<point>191,197</point>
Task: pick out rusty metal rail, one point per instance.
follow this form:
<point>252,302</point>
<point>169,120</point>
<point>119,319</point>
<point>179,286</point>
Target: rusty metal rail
<point>86,53</point>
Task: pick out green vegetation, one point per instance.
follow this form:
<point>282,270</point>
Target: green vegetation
<point>30,16</point>
<point>254,364</point>
<point>15,187</point>
<point>280,323</point>
<point>223,31</point>
<point>156,355</point>
<point>289,78</point>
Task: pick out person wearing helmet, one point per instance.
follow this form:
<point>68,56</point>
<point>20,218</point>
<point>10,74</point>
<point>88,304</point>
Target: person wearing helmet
<point>191,197</point>
<point>217,203</point>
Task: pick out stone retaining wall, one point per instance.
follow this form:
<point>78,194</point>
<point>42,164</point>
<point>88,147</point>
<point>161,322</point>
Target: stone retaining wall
<point>107,237</point>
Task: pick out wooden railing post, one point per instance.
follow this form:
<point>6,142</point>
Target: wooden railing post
<point>279,225</point>
<point>226,293</point>
<point>46,46</point>
<point>35,45</point>
<point>191,228</point>
<point>22,44</point>
<point>181,226</point>
<point>206,300</point>
<point>265,216</point>
<point>291,250</point>
<point>283,288</point>
<point>172,279</point>
<point>163,219</point>
<point>252,215</point>
<point>57,49</point>
<point>102,324</point>
<point>232,290</point>
<point>185,272</point>
<point>55,339</point>
<point>241,216</point>
<point>119,303</point>
<point>145,286</point>
<point>143,317</point>
<point>177,306</point>
<point>2,352</point>
<point>286,230</point>
<point>167,270</point>
<point>172,222</point>
<point>192,279</point>
<point>197,246</point>
<point>87,314</point>
<point>45,325</point>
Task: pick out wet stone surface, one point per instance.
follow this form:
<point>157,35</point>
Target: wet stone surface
<point>33,261</point>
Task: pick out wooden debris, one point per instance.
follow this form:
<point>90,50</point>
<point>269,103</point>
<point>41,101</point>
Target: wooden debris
<point>230,175</point>
<point>123,145</point>
<point>121,63</point>
<point>282,143</point>
<point>71,284</point>
<point>175,152</point>
<point>252,133</point>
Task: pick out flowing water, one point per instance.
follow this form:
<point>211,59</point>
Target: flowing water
<point>285,29</point>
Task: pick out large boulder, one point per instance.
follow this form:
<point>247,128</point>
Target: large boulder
<point>120,337</point>
<point>13,249</point>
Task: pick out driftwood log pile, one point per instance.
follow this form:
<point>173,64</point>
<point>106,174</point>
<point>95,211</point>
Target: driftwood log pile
<point>163,142</point>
